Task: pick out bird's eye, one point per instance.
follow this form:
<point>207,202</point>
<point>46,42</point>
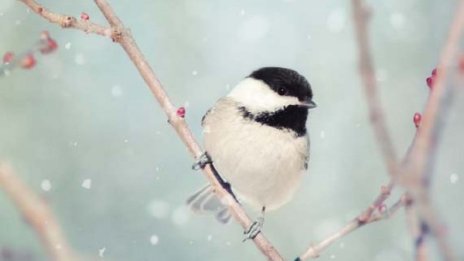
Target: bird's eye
<point>282,91</point>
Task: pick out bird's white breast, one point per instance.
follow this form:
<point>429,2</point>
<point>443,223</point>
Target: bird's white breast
<point>263,164</point>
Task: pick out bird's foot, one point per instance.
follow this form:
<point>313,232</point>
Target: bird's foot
<point>254,229</point>
<point>202,161</point>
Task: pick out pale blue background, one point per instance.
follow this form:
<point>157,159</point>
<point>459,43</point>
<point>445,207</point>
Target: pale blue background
<point>84,113</point>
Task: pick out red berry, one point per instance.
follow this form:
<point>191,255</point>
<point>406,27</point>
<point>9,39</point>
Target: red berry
<point>430,81</point>
<point>417,119</point>
<point>181,112</point>
<point>50,45</point>
<point>28,61</point>
<point>85,16</point>
<point>8,57</point>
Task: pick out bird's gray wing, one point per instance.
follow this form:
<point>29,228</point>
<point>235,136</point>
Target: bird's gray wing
<point>204,201</point>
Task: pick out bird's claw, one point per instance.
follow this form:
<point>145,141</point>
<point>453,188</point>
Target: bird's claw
<point>254,229</point>
<point>202,161</point>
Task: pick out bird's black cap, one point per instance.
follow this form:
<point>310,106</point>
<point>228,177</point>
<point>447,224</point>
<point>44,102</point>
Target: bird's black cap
<point>285,82</point>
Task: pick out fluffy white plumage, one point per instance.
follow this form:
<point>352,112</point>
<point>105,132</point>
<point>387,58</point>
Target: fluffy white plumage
<point>264,164</point>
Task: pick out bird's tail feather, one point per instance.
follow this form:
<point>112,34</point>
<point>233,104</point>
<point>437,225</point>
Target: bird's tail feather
<point>204,201</point>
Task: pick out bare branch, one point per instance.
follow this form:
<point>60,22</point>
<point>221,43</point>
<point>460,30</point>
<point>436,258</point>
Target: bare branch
<point>361,16</point>
<point>419,165</point>
<point>122,36</point>
<point>67,21</point>
<point>38,214</point>
<point>315,249</point>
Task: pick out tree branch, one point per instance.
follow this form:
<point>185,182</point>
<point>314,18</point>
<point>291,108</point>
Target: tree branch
<point>67,21</point>
<point>315,250</point>
<point>366,69</point>
<point>122,36</point>
<point>38,214</point>
<point>421,162</point>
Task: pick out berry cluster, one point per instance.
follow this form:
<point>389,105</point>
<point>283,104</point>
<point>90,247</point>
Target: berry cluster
<point>27,60</point>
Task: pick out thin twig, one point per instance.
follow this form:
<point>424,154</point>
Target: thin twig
<point>360,16</point>
<point>315,250</point>
<point>38,214</point>
<point>67,21</point>
<point>122,36</point>
<point>376,115</point>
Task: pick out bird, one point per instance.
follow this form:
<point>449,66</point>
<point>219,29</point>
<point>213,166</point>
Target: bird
<point>257,140</point>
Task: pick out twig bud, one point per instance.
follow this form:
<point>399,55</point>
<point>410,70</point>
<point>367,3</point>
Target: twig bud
<point>417,119</point>
<point>85,16</point>
<point>181,112</point>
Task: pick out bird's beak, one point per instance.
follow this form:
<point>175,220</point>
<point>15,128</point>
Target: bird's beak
<point>310,104</point>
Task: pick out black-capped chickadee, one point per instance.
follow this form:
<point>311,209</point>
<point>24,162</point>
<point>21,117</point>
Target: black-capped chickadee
<point>257,140</point>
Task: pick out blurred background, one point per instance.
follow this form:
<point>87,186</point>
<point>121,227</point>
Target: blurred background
<point>83,130</point>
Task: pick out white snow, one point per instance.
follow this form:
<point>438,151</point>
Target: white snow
<point>116,91</point>
<point>454,178</point>
<point>67,46</point>
<point>101,252</point>
<point>87,183</point>
<point>46,185</point>
<point>154,240</point>
<point>181,215</point>
<point>158,209</point>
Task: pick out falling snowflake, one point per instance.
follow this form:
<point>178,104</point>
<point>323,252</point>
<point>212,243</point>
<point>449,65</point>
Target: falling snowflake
<point>154,240</point>
<point>116,91</point>
<point>46,185</point>
<point>454,178</point>
<point>67,46</point>
<point>181,215</point>
<point>101,252</point>
<point>158,209</point>
<point>87,183</point>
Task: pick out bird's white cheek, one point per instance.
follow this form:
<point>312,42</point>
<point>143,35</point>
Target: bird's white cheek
<point>257,96</point>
